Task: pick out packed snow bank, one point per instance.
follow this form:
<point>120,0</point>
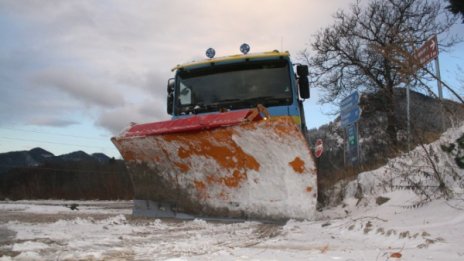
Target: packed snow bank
<point>429,170</point>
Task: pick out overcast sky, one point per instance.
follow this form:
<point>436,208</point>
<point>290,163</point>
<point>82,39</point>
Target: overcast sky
<point>74,73</point>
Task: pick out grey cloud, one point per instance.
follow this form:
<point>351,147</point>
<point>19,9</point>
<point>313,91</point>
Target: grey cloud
<point>81,87</point>
<point>115,57</point>
<point>154,108</point>
<point>20,103</point>
<point>52,121</point>
<point>150,82</point>
<point>156,83</point>
<point>116,119</point>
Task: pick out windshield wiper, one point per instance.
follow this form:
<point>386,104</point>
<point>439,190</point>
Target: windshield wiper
<point>267,100</point>
<point>250,102</point>
<point>271,99</point>
<point>237,103</point>
<point>226,101</point>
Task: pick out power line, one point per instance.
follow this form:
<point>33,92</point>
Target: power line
<point>59,169</point>
<point>56,143</point>
<point>54,134</point>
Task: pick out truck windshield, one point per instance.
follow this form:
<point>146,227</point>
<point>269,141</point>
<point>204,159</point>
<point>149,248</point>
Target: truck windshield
<point>234,86</point>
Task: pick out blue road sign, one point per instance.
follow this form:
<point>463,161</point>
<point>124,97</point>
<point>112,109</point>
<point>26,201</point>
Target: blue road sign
<point>349,110</point>
<point>350,117</point>
<point>349,103</point>
<point>352,135</point>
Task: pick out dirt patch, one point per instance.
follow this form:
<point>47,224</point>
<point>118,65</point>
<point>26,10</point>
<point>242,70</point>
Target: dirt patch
<point>47,218</point>
<point>6,237</point>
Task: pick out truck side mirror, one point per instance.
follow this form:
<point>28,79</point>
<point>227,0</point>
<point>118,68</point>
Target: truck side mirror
<point>170,97</point>
<point>302,70</point>
<point>303,82</point>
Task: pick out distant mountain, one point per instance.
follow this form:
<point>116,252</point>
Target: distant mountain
<point>39,153</point>
<point>76,156</point>
<point>38,174</point>
<point>39,156</point>
<point>34,157</point>
<point>101,157</point>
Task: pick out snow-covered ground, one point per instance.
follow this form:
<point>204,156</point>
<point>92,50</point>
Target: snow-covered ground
<point>46,230</point>
<point>386,223</point>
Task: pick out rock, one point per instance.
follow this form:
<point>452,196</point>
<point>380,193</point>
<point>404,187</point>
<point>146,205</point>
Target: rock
<point>381,200</point>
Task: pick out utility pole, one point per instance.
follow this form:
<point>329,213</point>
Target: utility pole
<point>408,115</point>
<point>440,92</point>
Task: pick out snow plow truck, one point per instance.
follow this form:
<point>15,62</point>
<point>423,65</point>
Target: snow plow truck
<point>235,147</point>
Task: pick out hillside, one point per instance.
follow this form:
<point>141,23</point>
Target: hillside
<point>38,174</point>
<point>29,158</point>
<point>39,156</point>
<point>375,147</point>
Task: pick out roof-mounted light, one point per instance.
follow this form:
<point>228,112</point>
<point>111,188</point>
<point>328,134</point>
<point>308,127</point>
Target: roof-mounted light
<point>210,53</point>
<point>244,48</point>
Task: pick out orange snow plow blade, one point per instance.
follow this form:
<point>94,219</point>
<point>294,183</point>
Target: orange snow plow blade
<point>239,165</point>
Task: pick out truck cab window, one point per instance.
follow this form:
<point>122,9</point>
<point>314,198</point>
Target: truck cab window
<point>234,86</point>
<point>185,95</point>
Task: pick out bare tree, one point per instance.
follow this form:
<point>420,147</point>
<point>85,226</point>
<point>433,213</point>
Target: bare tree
<point>456,7</point>
<point>366,49</point>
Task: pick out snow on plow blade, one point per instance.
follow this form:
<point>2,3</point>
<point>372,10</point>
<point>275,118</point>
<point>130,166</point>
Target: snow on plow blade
<point>226,165</point>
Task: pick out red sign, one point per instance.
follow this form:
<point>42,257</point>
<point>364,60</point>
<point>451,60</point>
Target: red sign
<point>319,148</point>
<point>427,52</point>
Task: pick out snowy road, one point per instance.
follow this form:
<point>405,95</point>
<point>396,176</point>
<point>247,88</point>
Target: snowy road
<point>45,230</point>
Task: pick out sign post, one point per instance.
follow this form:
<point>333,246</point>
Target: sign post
<point>353,145</point>
<point>424,55</point>
<point>349,116</point>
<point>440,91</point>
